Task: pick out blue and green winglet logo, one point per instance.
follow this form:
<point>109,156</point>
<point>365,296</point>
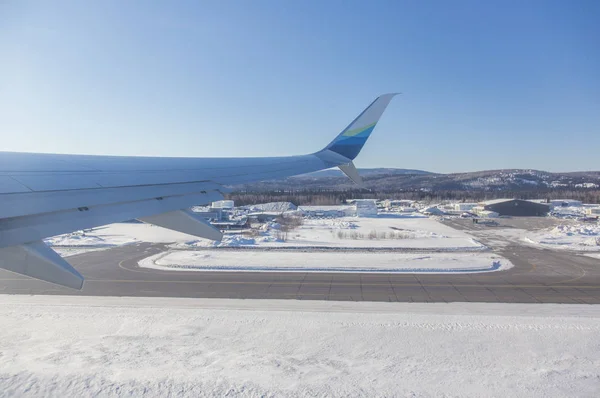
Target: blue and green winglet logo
<point>350,142</point>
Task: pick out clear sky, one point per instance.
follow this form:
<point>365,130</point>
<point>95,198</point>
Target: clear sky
<point>486,84</point>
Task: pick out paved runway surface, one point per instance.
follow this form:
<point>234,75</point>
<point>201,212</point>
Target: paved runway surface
<point>538,276</point>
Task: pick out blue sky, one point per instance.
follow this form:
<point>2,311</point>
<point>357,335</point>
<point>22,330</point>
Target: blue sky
<point>486,84</point>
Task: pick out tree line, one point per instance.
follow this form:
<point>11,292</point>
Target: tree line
<point>323,197</point>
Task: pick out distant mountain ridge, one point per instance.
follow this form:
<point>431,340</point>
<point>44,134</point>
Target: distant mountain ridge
<point>407,179</point>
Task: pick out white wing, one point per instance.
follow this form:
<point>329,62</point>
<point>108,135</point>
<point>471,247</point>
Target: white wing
<point>43,195</point>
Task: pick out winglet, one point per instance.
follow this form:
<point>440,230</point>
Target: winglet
<point>351,140</point>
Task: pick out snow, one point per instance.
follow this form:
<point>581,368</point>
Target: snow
<point>580,237</point>
<point>57,346</point>
<point>119,234</point>
<point>583,237</point>
<point>568,212</point>
<point>586,185</point>
<point>575,237</point>
<point>385,231</point>
<point>73,251</point>
<point>310,261</point>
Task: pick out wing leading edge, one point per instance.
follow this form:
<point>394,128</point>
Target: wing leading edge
<point>43,195</point>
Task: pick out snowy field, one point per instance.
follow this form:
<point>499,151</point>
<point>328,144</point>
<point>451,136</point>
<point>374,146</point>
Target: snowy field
<point>111,236</point>
<point>119,234</point>
<point>384,231</point>
<point>55,346</point>
<point>226,260</point>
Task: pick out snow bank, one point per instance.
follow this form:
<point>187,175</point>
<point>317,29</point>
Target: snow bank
<point>73,251</point>
<point>584,237</point>
<point>309,261</point>
<point>78,238</point>
<point>579,229</point>
<point>55,346</point>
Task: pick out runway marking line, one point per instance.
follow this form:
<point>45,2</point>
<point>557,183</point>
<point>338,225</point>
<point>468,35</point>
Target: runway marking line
<point>583,274</point>
<point>316,283</point>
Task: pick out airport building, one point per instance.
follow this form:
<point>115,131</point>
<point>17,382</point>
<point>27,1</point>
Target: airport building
<point>390,204</point>
<point>464,206</point>
<point>366,207</point>
<point>515,207</point>
<point>593,211</point>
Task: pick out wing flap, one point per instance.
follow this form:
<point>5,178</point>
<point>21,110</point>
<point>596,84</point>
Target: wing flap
<point>38,261</point>
<point>186,222</point>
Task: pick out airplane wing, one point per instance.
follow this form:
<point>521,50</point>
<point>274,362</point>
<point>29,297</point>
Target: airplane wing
<point>43,195</point>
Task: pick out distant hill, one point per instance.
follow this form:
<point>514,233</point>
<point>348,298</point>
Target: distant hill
<point>362,172</point>
<point>386,179</point>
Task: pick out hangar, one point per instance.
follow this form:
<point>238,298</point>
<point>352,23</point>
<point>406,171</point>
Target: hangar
<point>516,207</point>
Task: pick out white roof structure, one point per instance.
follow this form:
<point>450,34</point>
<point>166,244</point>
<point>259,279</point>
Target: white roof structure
<point>272,207</point>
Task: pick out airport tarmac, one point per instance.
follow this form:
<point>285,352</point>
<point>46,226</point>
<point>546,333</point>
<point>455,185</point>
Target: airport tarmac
<point>538,275</point>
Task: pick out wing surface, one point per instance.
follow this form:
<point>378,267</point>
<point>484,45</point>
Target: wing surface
<point>43,195</point>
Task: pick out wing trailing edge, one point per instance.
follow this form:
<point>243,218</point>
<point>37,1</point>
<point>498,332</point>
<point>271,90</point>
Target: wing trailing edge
<point>39,261</point>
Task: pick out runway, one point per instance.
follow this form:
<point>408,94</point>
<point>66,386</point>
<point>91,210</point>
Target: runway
<point>538,276</point>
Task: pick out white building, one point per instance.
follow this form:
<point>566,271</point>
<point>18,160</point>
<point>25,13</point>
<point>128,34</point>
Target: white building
<point>482,212</point>
<point>593,211</point>
<point>565,203</point>
<point>488,214</point>
<point>223,204</point>
<point>464,206</point>
<point>395,204</point>
<point>366,207</point>
<point>327,211</point>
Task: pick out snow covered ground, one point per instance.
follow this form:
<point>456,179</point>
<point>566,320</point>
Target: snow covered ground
<point>113,235</point>
<point>309,261</point>
<point>384,231</point>
<point>569,212</point>
<point>55,346</point>
<point>73,251</point>
<point>584,237</point>
<point>119,234</point>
